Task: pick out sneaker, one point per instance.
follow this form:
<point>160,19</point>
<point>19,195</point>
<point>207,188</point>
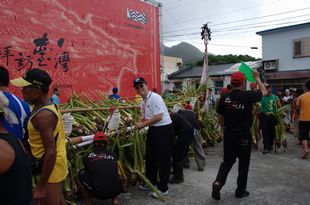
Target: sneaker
<point>186,166</point>
<point>155,195</point>
<point>174,180</point>
<point>216,191</point>
<point>266,151</point>
<point>201,169</point>
<point>244,194</point>
<point>145,187</point>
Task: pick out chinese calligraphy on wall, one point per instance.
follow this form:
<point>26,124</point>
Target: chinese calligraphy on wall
<point>43,55</point>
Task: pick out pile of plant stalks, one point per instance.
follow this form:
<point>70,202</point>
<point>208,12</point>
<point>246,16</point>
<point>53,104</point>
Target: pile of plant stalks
<point>129,145</point>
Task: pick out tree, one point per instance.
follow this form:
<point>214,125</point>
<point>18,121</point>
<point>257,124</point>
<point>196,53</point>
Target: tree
<point>226,59</point>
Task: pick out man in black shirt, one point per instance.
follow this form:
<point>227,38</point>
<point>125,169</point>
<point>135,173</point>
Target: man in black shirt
<point>199,153</point>
<point>184,132</point>
<point>100,177</point>
<point>235,115</point>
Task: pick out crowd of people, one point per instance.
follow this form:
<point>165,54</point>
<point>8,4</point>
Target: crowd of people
<point>39,133</point>
<point>268,107</point>
<point>235,111</point>
<point>292,100</point>
<point>33,146</point>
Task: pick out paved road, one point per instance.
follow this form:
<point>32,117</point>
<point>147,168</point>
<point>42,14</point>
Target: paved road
<point>281,178</point>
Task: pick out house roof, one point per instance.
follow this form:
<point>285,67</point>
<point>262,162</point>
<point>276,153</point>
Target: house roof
<point>235,67</point>
<point>187,72</point>
<point>285,28</point>
<point>214,70</point>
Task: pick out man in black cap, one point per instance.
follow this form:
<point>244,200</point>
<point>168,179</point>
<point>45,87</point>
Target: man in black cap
<point>46,137</point>
<point>268,121</point>
<point>100,177</point>
<point>159,137</point>
<point>235,115</point>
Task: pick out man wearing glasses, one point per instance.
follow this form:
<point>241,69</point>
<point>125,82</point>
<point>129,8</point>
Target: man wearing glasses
<point>160,135</point>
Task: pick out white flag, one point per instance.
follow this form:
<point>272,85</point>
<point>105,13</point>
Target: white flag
<point>204,74</point>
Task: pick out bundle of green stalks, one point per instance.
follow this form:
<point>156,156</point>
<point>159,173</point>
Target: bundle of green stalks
<point>255,130</point>
<point>129,145</point>
<point>280,138</point>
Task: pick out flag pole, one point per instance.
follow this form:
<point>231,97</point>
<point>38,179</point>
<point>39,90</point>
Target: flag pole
<point>206,37</point>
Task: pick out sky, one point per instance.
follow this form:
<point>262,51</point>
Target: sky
<point>233,23</point>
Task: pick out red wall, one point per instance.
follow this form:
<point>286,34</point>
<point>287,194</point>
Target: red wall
<point>92,45</point>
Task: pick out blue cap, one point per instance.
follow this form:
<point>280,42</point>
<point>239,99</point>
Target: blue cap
<point>115,89</point>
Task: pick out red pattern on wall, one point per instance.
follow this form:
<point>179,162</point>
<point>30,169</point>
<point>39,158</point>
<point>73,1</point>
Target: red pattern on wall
<point>86,46</point>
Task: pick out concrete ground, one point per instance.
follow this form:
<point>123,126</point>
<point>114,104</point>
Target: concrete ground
<point>281,178</point>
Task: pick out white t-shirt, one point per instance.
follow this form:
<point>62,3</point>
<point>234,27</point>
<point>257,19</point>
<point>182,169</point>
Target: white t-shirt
<point>286,99</point>
<point>152,105</point>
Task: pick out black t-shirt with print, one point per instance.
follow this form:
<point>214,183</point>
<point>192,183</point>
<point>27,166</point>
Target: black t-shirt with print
<point>236,107</point>
<point>191,117</point>
<point>101,166</point>
<point>181,125</point>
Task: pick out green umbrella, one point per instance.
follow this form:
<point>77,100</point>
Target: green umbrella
<point>247,71</point>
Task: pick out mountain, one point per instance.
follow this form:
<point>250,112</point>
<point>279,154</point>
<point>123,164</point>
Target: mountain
<point>186,51</point>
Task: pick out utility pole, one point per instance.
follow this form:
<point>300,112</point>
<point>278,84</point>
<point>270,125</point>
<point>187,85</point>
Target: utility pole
<point>206,36</point>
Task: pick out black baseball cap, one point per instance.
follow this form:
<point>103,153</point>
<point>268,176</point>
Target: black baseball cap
<point>33,77</point>
<point>138,81</point>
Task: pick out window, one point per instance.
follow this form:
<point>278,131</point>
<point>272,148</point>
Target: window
<point>218,85</point>
<point>297,48</point>
<point>301,47</point>
<point>177,86</point>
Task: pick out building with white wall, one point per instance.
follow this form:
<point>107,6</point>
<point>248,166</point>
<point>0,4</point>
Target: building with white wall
<point>286,55</point>
<point>168,65</point>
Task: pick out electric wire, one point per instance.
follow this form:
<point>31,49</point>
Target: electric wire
<point>224,13</point>
<point>255,18</point>
<point>237,28</point>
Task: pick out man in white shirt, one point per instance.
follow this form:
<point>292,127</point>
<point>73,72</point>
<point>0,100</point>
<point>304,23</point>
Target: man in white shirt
<point>160,136</point>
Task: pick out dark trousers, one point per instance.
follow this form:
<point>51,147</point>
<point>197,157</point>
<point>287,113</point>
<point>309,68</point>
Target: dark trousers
<point>103,193</point>
<point>158,155</point>
<point>180,150</point>
<point>236,144</point>
<point>304,128</point>
<point>268,126</point>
